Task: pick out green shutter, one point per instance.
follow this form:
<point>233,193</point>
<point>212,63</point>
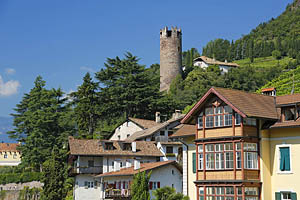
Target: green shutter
<point>294,196</point>
<point>194,162</point>
<point>277,196</point>
<point>285,159</point>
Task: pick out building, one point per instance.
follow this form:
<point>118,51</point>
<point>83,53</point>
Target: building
<point>165,173</point>
<point>130,126</point>
<point>246,145</point>
<point>90,158</point>
<point>171,150</point>
<point>9,155</point>
<point>186,135</point>
<point>170,56</point>
<point>204,62</point>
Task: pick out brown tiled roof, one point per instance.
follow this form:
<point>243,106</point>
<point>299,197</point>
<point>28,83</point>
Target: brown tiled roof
<point>211,61</point>
<point>150,131</point>
<point>286,124</point>
<point>144,123</point>
<point>245,103</point>
<point>288,99</point>
<point>9,147</point>
<point>185,130</point>
<point>144,167</point>
<point>95,147</point>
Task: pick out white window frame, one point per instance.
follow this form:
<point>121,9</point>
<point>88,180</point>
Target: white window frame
<point>285,193</point>
<point>278,159</point>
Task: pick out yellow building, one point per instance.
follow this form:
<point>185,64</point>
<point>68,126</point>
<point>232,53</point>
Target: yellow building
<point>246,146</point>
<point>9,155</point>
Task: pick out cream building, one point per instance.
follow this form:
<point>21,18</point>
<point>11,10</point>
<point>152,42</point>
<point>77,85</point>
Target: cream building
<point>9,155</point>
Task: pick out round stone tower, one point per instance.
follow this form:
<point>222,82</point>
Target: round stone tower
<point>170,56</point>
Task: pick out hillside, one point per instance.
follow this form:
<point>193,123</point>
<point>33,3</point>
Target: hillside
<point>284,83</point>
<point>281,34</point>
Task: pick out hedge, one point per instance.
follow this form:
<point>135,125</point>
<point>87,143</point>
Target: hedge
<point>20,177</point>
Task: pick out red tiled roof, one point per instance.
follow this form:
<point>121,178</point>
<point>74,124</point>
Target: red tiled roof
<point>185,130</point>
<point>268,89</point>
<point>215,62</point>
<point>95,147</point>
<point>9,146</point>
<point>144,167</point>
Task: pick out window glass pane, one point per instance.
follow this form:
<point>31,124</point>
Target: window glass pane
<point>227,109</point>
<point>200,121</point>
<point>219,161</point>
<point>208,111</point>
<point>228,146</point>
<point>210,190</point>
<point>238,160</point>
<point>238,119</point>
<point>209,121</point>
<point>210,160</point>
<point>228,120</point>
<point>239,191</point>
<point>238,146</point>
<point>201,190</point>
<point>251,191</point>
<point>219,147</point>
<point>229,190</point>
<point>285,159</point>
<point>219,190</point>
<point>218,120</point>
<point>209,147</point>
<point>229,160</point>
<point>200,148</point>
<point>218,110</point>
<point>200,161</point>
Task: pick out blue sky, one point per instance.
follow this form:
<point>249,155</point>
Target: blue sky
<point>62,40</point>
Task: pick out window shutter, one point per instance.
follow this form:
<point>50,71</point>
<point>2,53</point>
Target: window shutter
<point>294,196</point>
<point>194,162</point>
<point>150,185</point>
<point>158,184</point>
<point>277,196</point>
<point>285,159</point>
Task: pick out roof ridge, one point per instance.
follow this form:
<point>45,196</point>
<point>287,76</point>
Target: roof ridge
<point>248,92</point>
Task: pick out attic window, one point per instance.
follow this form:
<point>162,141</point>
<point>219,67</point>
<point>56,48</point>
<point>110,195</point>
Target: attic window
<point>289,114</point>
<point>109,146</point>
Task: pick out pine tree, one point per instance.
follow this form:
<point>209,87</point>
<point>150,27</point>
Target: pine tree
<point>39,124</point>
<point>140,186</point>
<point>86,100</point>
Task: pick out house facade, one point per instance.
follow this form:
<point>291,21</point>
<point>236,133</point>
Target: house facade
<point>91,158</point>
<point>186,135</point>
<point>245,145</point>
<point>165,173</point>
<point>205,62</point>
<point>9,155</point>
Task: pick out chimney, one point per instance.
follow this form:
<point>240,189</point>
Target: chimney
<point>137,163</point>
<point>133,147</point>
<point>177,114</point>
<point>269,91</point>
<point>157,117</point>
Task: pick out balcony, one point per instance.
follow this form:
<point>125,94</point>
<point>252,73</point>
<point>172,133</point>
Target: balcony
<point>117,194</point>
<point>87,170</point>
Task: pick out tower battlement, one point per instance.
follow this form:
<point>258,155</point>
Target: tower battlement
<point>174,32</point>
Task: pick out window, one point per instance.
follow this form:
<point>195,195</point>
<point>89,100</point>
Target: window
<point>109,146</point>
<point>218,156</point>
<point>200,154</point>
<point>5,155</point>
<point>250,156</point>
<point>284,158</point>
<point>250,121</point>
<point>169,150</point>
<point>200,120</point>
<point>194,162</point>
<point>289,113</point>
<point>128,135</point>
<point>90,163</point>
<point>285,196</point>
<point>209,121</point>
<point>170,133</point>
<point>119,137</point>
<point>238,119</point>
<point>228,116</point>
<point>15,156</point>
<point>228,193</point>
<point>88,184</point>
<point>162,133</point>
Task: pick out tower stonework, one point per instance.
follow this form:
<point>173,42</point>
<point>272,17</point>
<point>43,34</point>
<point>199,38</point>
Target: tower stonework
<point>170,56</point>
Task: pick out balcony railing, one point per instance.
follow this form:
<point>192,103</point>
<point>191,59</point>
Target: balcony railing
<point>117,193</point>
<point>87,170</point>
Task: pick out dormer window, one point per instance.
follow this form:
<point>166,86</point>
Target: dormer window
<point>289,113</point>
<point>109,146</point>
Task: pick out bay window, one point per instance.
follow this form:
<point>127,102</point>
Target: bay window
<point>200,157</point>
<point>228,193</point>
<point>250,156</point>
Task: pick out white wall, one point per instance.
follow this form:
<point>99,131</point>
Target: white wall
<point>125,129</point>
<point>81,193</point>
<point>201,64</point>
<point>166,178</point>
<point>83,161</point>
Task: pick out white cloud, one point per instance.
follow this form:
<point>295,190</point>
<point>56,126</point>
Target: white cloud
<point>85,68</point>
<point>8,88</point>
<point>10,71</point>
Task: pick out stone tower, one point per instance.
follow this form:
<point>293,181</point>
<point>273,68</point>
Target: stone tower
<point>170,56</point>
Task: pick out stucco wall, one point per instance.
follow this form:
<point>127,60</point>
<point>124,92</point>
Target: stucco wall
<point>125,129</point>
<point>191,175</point>
<point>13,158</point>
<point>81,192</point>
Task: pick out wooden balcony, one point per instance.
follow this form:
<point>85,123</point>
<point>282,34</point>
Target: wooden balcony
<point>86,170</point>
<point>118,194</point>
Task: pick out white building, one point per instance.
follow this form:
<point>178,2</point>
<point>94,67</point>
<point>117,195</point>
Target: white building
<point>204,62</point>
<point>90,158</point>
<point>165,173</point>
<point>130,126</point>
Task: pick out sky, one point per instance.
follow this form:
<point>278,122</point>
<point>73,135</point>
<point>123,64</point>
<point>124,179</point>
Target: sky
<point>63,40</point>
